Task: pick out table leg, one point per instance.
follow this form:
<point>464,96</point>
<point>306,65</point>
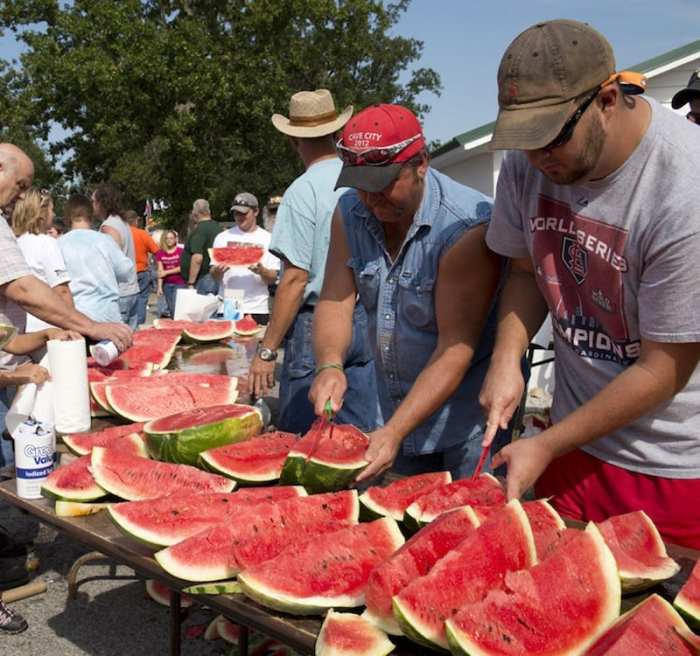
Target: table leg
<point>243,641</point>
<point>175,623</point>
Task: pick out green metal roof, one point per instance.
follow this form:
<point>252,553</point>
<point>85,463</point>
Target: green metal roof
<point>644,67</point>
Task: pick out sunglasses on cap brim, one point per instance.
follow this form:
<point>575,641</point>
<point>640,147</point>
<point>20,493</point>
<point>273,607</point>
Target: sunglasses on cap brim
<point>373,156</point>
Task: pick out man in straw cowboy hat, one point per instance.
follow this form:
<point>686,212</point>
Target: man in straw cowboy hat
<point>598,210</point>
<point>300,238</point>
<point>410,241</point>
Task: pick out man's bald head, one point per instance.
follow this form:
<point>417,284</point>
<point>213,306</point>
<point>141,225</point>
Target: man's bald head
<point>16,174</point>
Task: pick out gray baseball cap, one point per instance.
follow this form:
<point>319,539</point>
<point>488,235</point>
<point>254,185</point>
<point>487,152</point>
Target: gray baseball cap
<point>689,93</point>
<point>244,202</point>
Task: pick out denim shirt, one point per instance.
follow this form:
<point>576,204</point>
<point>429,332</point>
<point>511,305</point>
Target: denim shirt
<point>399,298</point>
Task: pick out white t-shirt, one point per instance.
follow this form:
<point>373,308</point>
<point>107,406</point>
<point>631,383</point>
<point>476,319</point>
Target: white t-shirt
<point>255,293</point>
<point>44,258</point>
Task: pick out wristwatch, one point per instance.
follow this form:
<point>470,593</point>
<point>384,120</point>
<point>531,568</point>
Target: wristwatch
<point>266,354</point>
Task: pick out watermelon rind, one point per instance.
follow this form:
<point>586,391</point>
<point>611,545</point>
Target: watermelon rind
<point>77,509</point>
<point>271,598</point>
<point>293,468</point>
<point>191,335</point>
<point>689,606</point>
<point>184,446</point>
<point>212,631</point>
<point>51,491</point>
<point>320,476</point>
<point>220,587</point>
<point>463,645</point>
<point>375,642</point>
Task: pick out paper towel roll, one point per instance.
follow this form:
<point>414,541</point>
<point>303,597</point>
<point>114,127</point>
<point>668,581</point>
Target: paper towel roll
<point>35,401</point>
<point>71,393</point>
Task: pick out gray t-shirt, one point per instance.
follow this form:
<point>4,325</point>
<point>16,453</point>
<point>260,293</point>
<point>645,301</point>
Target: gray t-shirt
<point>131,286</point>
<point>617,260</point>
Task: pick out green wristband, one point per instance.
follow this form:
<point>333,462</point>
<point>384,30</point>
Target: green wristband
<point>332,365</point>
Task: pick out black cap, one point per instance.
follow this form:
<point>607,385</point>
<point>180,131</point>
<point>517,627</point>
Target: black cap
<point>689,93</point>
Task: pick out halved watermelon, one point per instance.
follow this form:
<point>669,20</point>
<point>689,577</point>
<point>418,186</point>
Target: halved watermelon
<point>687,601</point>
<point>209,331</point>
<point>133,478</point>
<point>77,508</point>
<point>651,627</point>
<point>236,254</point>
<point>392,500</point>
<point>222,551</point>
<point>168,520</point>
<point>415,559</point>
<point>81,443</point>
<point>560,606</point>
<point>183,436</point>
<point>345,634</point>
<point>638,549</point>
<point>335,572</point>
<point>482,491</point>
<point>246,326</point>
<point>293,468</point>
<point>546,524</point>
<point>503,543</point>
<point>256,461</point>
<point>160,593</point>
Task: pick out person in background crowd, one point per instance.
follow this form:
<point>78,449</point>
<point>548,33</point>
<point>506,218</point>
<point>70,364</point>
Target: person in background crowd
<point>168,262</point>
<point>94,280</point>
<point>194,262</point>
<point>56,229</point>
<point>691,96</point>
<point>254,280</point>
<point>270,212</point>
<point>143,246</point>
<point>28,293</point>
<point>106,206</point>
<point>597,208</point>
<point>301,240</point>
<point>411,242</point>
<point>32,215</point>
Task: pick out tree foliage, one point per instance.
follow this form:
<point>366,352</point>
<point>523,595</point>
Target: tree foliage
<point>172,98</point>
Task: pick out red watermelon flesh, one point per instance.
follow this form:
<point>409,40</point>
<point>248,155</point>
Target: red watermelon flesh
<point>256,460</point>
<point>650,628</point>
<point>503,543</point>
<point>236,254</point>
<point>133,478</point>
<point>393,499</point>
<point>213,357</point>
<point>335,572</point>
<point>546,524</point>
<point>345,634</point>
<point>197,417</point>
<point>156,336</point>
<point>688,599</point>
<point>638,549</point>
<point>482,491</point>
<point>415,559</point>
<point>560,606</point>
<point>82,443</point>
<point>209,331</point>
<point>136,357</point>
<point>169,520</point>
<point>246,326</point>
<point>222,551</point>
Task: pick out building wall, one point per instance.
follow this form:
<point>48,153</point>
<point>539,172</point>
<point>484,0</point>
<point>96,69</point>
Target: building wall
<point>475,170</point>
<point>662,87</point>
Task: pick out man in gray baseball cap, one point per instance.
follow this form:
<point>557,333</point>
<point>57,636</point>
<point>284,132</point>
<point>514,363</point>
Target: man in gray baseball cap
<point>593,209</point>
<point>690,95</point>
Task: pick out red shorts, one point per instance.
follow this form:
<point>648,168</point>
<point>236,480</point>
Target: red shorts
<point>586,488</point>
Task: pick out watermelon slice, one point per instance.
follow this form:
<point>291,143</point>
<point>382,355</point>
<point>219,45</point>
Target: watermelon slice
<point>335,573</point>
<point>546,524</point>
<point>210,357</point>
<point>503,543</point>
<point>482,491</point>
<point>137,356</point>
<point>212,630</point>
<point>236,254</point>
<point>81,443</point>
<point>392,500</point>
<point>209,331</point>
<point>345,634</point>
<point>183,436</point>
<point>133,478</point>
<point>222,551</point>
<point>169,520</point>
<point>229,631</point>
<point>651,627</point>
<point>155,337</point>
<point>246,327</point>
<point>160,593</point>
<point>77,509</point>
<point>414,559</point>
<point>687,601</point>
<point>638,549</point>
<point>256,461</point>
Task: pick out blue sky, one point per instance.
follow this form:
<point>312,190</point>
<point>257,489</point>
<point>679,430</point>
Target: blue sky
<point>464,41</point>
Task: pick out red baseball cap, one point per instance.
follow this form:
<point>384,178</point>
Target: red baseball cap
<point>375,144</point>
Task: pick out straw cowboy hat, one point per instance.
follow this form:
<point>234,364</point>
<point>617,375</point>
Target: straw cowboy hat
<point>311,114</point>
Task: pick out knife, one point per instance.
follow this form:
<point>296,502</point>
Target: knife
<point>330,416</point>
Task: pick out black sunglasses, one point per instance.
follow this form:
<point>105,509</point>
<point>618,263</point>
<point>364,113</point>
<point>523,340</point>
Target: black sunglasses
<point>567,131</point>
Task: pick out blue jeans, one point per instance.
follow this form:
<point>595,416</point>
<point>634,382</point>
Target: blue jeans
<point>360,403</point>
<point>7,456</point>
<point>145,280</point>
<point>169,292</point>
<point>207,285</point>
<point>128,308</point>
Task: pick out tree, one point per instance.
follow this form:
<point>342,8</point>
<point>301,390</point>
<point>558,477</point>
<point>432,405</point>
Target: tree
<point>173,98</point>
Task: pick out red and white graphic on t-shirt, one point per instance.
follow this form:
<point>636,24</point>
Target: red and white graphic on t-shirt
<point>580,264</point>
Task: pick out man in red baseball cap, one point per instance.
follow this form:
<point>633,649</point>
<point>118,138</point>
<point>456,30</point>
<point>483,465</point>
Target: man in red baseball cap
<point>409,243</point>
